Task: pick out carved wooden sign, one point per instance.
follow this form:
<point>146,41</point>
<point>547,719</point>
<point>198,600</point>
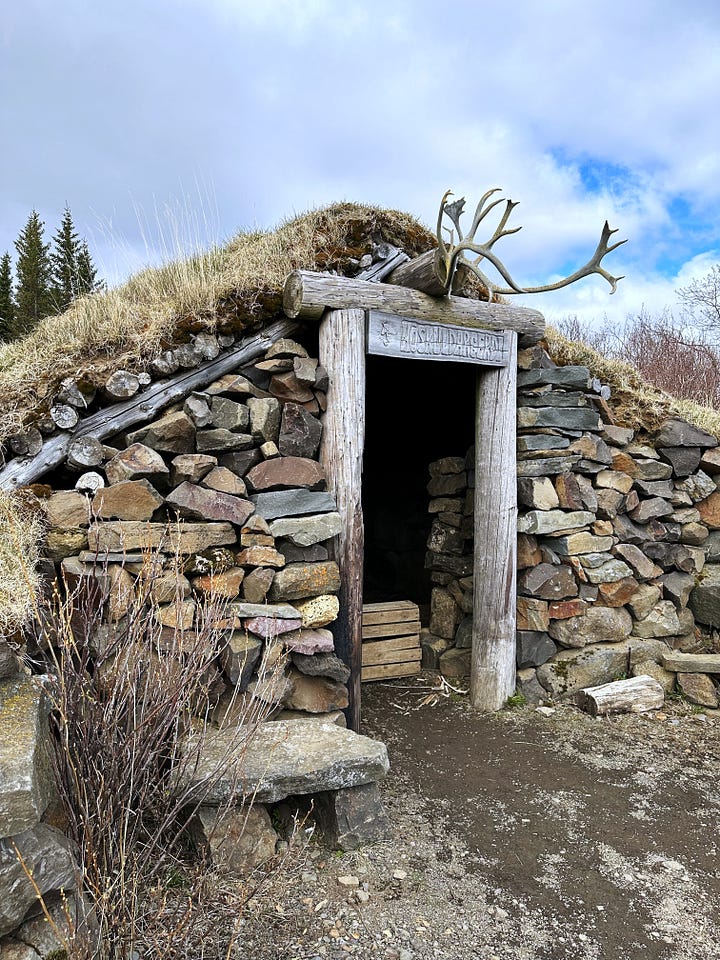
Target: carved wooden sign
<point>393,336</point>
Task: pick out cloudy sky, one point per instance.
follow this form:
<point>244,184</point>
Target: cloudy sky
<point>168,123</point>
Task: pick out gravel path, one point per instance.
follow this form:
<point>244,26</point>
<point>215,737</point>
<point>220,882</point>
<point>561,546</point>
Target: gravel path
<point>517,836</point>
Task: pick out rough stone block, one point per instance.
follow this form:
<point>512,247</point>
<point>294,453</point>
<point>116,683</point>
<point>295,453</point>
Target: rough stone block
<point>318,611</point>
<point>298,580</point>
<point>118,536</point>
<point>136,462</point>
<point>596,625</point>
<point>699,688</point>
<point>237,840</point>
<point>315,694</point>
<point>533,648</point>
<point>354,817</point>
<point>127,500</point>
<point>679,433</point>
<point>455,663</point>
<point>26,782</point>
<point>191,467</point>
<point>226,414</point>
<point>199,503</point>
<point>239,657</point>
<point>545,522</point>
<point>173,433</point>
<point>44,853</point>
<point>286,473</point>
<point>219,440</point>
<point>300,432</point>
<point>572,670</point>
<point>547,581</point>
<point>308,530</point>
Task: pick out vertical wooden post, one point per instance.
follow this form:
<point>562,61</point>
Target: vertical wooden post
<point>342,353</point>
<point>492,678</point>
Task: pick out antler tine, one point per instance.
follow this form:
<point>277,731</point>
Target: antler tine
<point>499,230</point>
<point>441,213</point>
<point>479,213</point>
<point>592,266</point>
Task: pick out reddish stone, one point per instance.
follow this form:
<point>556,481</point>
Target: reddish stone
<point>173,433</point>
<point>710,510</point>
<point>226,584</point>
<point>568,491</point>
<point>528,552</point>
<point>285,473</point>
<point>198,503</point>
<point>134,463</point>
<point>270,627</point>
<point>619,593</point>
<point>261,556</point>
<point>564,609</point>
<point>287,387</point>
<point>310,641</point>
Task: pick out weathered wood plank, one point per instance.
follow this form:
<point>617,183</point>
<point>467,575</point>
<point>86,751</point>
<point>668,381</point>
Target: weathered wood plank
<point>371,655</point>
<point>342,353</point>
<point>144,406</point>
<point>634,695</point>
<point>386,671</point>
<point>390,629</point>
<point>393,336</point>
<point>389,605</point>
<point>390,616</point>
<point>307,295</point>
<point>394,643</point>
<point>492,678</point>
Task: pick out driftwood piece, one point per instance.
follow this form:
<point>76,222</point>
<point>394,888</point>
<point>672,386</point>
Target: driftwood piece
<point>307,295</point>
<point>342,353</point>
<point>634,695</point>
<point>492,676</point>
<point>122,416</point>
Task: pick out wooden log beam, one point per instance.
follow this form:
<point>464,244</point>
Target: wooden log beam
<point>144,406</point>
<point>307,295</point>
<point>425,273</point>
<point>342,353</point>
<point>634,695</point>
<point>492,677</point>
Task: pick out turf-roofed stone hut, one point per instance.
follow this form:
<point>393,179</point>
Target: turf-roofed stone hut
<point>255,444</point>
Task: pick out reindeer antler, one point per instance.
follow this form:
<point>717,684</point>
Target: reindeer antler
<point>452,254</point>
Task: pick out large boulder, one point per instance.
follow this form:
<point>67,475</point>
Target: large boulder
<point>571,670</point>
<point>597,625</point>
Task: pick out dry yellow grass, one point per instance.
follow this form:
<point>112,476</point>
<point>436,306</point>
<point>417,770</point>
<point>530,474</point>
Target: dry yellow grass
<point>20,536</point>
<point>230,287</point>
<point>634,402</point>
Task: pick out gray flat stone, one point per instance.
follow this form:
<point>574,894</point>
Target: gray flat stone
<point>705,598</point>
<point>284,758</point>
<point>280,611</point>
<point>679,433</point>
<point>554,521</point>
<point>292,503</point>
<point>597,625</point>
<point>308,530</point>
<point>26,782</point>
<point>47,855</point>
<point>565,418</point>
<point>571,377</point>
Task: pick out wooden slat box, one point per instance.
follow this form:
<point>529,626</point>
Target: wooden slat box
<point>391,640</point>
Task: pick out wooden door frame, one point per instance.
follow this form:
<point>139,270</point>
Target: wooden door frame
<point>342,346</point>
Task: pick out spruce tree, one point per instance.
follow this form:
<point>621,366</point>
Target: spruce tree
<point>87,272</point>
<point>63,260</point>
<point>33,298</point>
<point>7,306</point>
<point>73,272</point>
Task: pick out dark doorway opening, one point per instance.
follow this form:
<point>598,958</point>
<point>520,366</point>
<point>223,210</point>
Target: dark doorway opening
<point>417,411</point>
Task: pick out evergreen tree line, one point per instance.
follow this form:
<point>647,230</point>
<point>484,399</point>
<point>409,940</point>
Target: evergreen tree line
<point>47,277</point>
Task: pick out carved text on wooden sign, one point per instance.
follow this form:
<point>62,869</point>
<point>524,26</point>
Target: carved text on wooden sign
<point>393,336</point>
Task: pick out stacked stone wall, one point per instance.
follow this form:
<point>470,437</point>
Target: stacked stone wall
<point>226,490</point>
<point>618,543</point>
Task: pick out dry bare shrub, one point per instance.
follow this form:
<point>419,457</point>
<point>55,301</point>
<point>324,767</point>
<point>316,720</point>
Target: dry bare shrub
<point>126,697</point>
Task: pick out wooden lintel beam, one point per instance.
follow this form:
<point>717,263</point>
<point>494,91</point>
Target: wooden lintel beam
<point>307,295</point>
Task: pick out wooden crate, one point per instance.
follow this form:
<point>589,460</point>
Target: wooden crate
<point>391,640</point>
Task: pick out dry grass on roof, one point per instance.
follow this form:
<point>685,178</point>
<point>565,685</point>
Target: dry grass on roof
<point>232,287</point>
<point>634,402</point>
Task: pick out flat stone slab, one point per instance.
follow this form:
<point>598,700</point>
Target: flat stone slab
<point>115,536</point>
<point>26,783</point>
<point>285,758</point>
<point>292,503</point>
<point>692,662</point>
<point>277,611</point>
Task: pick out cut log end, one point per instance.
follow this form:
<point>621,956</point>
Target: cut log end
<point>634,695</point>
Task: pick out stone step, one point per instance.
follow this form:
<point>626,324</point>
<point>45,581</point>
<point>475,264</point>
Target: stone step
<point>283,759</point>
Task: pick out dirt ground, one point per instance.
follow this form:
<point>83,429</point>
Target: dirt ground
<point>516,835</point>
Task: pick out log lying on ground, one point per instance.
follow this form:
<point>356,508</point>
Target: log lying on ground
<point>635,695</point>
